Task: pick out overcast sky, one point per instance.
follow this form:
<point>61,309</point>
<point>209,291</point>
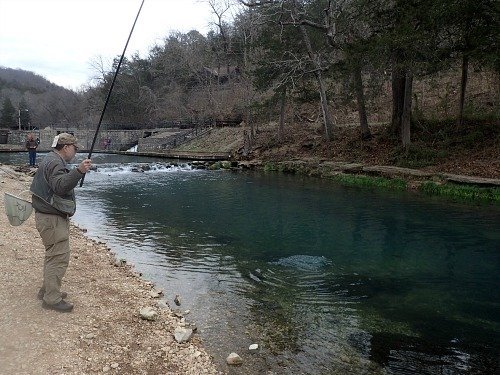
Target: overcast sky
<point>58,39</point>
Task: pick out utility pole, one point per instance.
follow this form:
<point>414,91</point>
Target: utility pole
<point>19,117</point>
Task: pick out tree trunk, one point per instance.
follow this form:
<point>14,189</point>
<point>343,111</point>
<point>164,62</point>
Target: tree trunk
<point>282,115</point>
<point>465,70</point>
<point>327,120</point>
<point>406,118</point>
<point>247,144</point>
<point>398,91</point>
<point>324,107</point>
<point>250,122</point>
<point>360,97</point>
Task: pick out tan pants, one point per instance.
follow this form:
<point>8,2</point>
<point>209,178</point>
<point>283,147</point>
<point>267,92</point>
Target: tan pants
<point>54,231</point>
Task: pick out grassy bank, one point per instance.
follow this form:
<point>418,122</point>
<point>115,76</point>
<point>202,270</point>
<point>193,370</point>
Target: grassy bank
<point>462,192</point>
<point>465,193</point>
<point>368,181</point>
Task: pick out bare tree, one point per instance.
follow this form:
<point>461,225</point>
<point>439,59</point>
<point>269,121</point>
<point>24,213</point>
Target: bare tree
<point>291,13</point>
<point>327,120</point>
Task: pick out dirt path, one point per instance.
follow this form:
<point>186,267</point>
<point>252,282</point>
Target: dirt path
<point>104,333</point>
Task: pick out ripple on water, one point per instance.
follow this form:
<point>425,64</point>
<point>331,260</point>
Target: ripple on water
<point>303,262</point>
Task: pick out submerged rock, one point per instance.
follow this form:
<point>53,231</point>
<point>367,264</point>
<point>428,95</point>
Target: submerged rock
<point>226,164</point>
<point>215,166</point>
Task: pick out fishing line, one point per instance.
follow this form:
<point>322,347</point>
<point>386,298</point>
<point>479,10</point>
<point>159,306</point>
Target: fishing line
<point>111,88</point>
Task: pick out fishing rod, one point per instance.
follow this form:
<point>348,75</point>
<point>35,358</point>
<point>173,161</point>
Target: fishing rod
<point>111,89</point>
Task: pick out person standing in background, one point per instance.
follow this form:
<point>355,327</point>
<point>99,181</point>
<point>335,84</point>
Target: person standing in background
<point>31,145</point>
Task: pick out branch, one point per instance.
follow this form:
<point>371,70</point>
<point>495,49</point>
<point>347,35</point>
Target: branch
<point>256,3</point>
<point>306,22</point>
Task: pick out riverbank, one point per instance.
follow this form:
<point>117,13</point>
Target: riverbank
<point>457,163</point>
<point>447,185</point>
<point>450,162</point>
<point>104,333</point>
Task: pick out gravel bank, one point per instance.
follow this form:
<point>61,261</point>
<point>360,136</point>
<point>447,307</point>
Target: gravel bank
<point>104,333</point>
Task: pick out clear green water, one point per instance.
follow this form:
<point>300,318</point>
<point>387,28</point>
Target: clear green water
<point>326,279</point>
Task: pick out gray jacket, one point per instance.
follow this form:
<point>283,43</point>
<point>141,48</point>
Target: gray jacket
<point>53,185</point>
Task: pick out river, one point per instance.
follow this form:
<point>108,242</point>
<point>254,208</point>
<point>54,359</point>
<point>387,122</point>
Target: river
<point>326,279</point>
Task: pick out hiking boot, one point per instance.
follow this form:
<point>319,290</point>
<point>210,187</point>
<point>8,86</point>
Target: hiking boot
<point>41,293</point>
<point>61,306</point>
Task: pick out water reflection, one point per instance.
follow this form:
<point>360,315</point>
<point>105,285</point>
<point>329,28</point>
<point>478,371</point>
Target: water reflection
<point>326,279</point>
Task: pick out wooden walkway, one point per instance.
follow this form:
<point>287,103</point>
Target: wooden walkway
<point>167,154</point>
<point>173,154</point>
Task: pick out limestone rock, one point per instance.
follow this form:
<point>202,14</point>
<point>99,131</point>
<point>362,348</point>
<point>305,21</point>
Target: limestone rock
<point>120,262</point>
<point>155,293</point>
<point>148,313</point>
<point>183,334</point>
<point>234,359</point>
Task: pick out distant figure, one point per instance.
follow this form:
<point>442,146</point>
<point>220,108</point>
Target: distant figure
<point>31,145</point>
<point>105,143</point>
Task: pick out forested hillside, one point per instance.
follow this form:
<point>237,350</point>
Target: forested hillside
<point>316,61</point>
<point>336,62</point>
<point>36,101</point>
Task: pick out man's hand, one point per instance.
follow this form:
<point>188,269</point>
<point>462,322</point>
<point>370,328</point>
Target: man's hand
<point>85,166</point>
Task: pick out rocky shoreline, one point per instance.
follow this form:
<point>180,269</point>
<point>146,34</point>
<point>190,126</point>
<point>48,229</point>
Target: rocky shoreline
<point>327,169</point>
<point>107,332</point>
<point>454,186</point>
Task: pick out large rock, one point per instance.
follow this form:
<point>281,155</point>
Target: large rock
<point>155,293</point>
<point>148,313</point>
<point>234,359</point>
<point>472,180</point>
<point>183,334</point>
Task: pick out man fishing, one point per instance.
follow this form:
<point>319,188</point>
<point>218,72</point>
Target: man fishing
<point>53,199</point>
<point>54,203</point>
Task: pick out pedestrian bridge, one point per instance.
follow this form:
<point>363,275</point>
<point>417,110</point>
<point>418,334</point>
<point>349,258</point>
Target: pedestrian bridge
<point>158,141</point>
<point>147,140</point>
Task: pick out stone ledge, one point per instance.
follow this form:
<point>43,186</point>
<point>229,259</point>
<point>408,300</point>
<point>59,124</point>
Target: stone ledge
<point>471,180</point>
<point>342,166</point>
<point>329,168</point>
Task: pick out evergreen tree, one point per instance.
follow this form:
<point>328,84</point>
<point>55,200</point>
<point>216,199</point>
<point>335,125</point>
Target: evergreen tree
<point>8,118</point>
